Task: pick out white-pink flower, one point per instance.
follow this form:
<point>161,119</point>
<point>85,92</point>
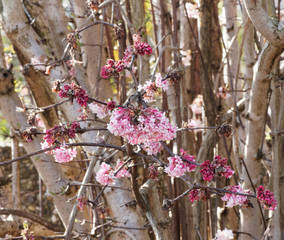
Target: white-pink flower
<point>234,199</point>
<point>142,126</point>
<point>195,123</point>
<point>226,234</point>
<point>99,109</point>
<point>128,53</point>
<point>122,172</point>
<point>152,148</point>
<point>150,88</point>
<point>45,145</point>
<point>136,37</point>
<point>63,154</point>
<point>105,175</point>
<point>192,10</point>
<point>186,57</point>
<point>196,105</point>
<point>164,84</point>
<point>223,92</point>
<point>176,167</point>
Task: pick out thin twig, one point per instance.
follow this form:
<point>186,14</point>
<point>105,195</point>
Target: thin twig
<point>32,217</point>
<point>41,109</point>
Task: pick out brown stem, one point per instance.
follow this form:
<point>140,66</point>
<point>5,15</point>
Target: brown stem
<point>32,217</point>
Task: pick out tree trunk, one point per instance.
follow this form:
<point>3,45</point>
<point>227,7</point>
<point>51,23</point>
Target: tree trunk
<point>250,218</point>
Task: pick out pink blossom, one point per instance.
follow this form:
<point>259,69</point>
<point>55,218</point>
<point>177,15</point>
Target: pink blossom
<point>195,123</point>
<point>63,154</point>
<point>107,71</point>
<point>194,195</point>
<point>150,88</point>
<point>266,198</point>
<point>223,92</point>
<point>128,53</point>
<point>189,167</point>
<point>45,145</point>
<point>187,58</point>
<point>73,91</point>
<point>39,122</point>
<point>192,10</point>
<point>176,167</point>
<point>72,128</point>
<point>111,105</point>
<point>136,37</point>
<point>222,168</point>
<point>61,132</point>
<point>146,125</point>
<point>234,199</point>
<point>196,105</point>
<point>119,66</point>
<point>112,68</point>
<point>71,65</point>
<point>81,203</point>
<point>152,148</point>
<point>226,234</point>
<point>142,48</point>
<point>84,113</point>
<point>99,109</point>
<point>122,172</point>
<point>207,170</point>
<point>164,84</point>
<point>105,175</point>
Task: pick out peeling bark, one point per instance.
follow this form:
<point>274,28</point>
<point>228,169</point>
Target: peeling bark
<point>250,219</point>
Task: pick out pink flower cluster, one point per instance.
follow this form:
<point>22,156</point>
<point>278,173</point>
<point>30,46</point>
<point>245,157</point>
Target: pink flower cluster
<point>207,170</point>
<point>197,105</point>
<point>63,154</point>
<point>142,126</point>
<point>142,48</point>
<point>122,172</point>
<point>106,175</point>
<point>160,83</point>
<point>266,198</point>
<point>81,203</point>
<point>73,91</point>
<point>192,10</point>
<point>152,148</point>
<point>112,68</point>
<point>234,199</point>
<point>151,88</point>
<point>61,133</point>
<point>71,65</point>
<point>189,167</point>
<point>223,92</point>
<point>194,195</point>
<point>177,167</point>
<point>128,53</point>
<point>195,123</point>
<point>102,110</point>
<point>99,109</point>
<point>226,234</point>
<point>222,168</point>
<point>218,166</point>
